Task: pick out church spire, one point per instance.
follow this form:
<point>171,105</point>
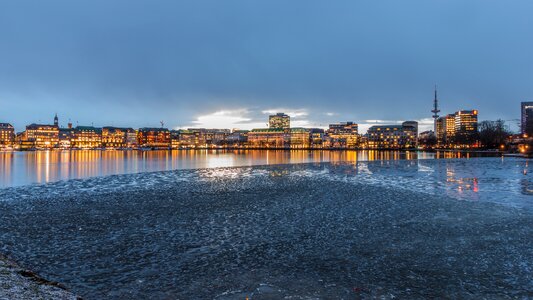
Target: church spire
<point>56,120</point>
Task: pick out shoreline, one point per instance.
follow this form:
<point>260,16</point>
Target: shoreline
<point>17,282</point>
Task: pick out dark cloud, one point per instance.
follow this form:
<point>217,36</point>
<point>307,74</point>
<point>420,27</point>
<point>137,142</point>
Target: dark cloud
<point>135,62</point>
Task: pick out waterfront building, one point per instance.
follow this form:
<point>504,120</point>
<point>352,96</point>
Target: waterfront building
<point>526,124</point>
<point>269,138</point>
<point>237,138</point>
<point>154,137</point>
<point>300,138</point>
<point>118,137</point>
<point>279,121</point>
<point>393,136</point>
<point>65,137</point>
<point>40,136</point>
<point>7,135</point>
<point>86,137</point>
<point>317,137</point>
<point>183,138</point>
<point>205,138</point>
<point>342,135</point>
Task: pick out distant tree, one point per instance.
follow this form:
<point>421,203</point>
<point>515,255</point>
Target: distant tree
<point>492,134</point>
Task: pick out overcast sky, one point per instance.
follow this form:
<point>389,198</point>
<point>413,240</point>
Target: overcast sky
<point>229,63</point>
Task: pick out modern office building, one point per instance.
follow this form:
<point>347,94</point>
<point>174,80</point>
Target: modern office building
<point>154,137</point>
<point>279,121</point>
<point>393,136</point>
<point>466,122</point>
<point>526,123</point>
<point>7,135</point>
<point>445,129</point>
<point>342,135</point>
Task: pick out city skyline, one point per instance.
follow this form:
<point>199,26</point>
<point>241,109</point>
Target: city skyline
<point>208,64</point>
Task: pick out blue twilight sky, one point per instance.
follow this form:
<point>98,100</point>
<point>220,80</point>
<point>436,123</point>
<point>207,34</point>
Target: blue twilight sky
<point>228,63</point>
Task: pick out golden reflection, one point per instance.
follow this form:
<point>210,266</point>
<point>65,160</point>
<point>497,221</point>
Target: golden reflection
<point>45,166</point>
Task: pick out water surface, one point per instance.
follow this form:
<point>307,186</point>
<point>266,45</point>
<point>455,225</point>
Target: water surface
<point>21,168</point>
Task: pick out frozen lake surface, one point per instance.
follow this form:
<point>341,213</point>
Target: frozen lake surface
<point>459,228</point>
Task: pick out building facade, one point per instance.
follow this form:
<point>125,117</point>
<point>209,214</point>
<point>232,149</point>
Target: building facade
<point>466,131</point>
<point>393,136</point>
<point>154,137</point>
<point>86,137</point>
<point>342,135</point>
<point>117,137</point>
<point>7,135</point>
<point>268,138</point>
<point>526,120</point>
<point>279,121</point>
<point>41,136</point>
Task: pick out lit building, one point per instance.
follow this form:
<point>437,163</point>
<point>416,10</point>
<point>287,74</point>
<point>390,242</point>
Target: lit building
<point>237,138</point>
<point>300,138</point>
<point>393,136</point>
<point>342,135</point>
<point>154,137</point>
<point>86,137</point>
<point>317,137</point>
<point>268,138</point>
<point>466,121</point>
<point>117,137</point>
<point>183,138</point>
<point>7,135</point>
<point>526,123</point>
<point>65,137</point>
<point>446,129</point>
<point>40,136</point>
<point>279,121</point>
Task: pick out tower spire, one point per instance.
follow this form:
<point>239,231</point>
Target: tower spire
<point>435,111</point>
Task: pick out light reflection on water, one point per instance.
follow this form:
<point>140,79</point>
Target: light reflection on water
<point>22,168</point>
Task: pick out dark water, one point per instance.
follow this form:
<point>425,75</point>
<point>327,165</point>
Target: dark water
<point>459,228</point>
<point>21,168</point>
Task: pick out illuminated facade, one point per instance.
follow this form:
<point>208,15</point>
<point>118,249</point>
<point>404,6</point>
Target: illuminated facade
<point>526,117</point>
<point>117,137</point>
<point>237,138</point>
<point>342,135</point>
<point>279,121</point>
<point>446,129</point>
<point>393,136</point>
<point>269,138</point>
<point>65,137</point>
<point>41,136</point>
<point>86,137</point>
<point>154,137</point>
<point>466,125</point>
<point>300,138</point>
<point>7,135</point>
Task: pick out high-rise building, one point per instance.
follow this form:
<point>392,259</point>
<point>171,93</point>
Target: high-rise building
<point>279,121</point>
<point>7,135</point>
<point>445,129</point>
<point>466,121</point>
<point>526,123</point>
